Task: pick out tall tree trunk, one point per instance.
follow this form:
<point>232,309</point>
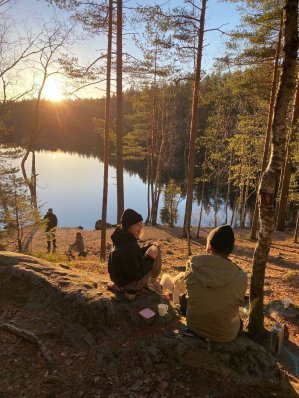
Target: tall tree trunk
<point>241,204</point>
<point>153,154</point>
<point>251,211</point>
<point>193,126</point>
<point>286,176</point>
<point>119,112</point>
<point>228,187</point>
<point>241,194</point>
<point>4,204</point>
<point>200,210</point>
<point>106,134</point>
<point>254,226</point>
<point>216,202</point>
<point>161,153</point>
<point>296,228</point>
<point>202,194</point>
<point>232,219</point>
<point>32,181</point>
<point>186,151</point>
<point>148,158</point>
<point>270,178</point>
<point>17,217</point>
<point>246,193</point>
<point>154,137</point>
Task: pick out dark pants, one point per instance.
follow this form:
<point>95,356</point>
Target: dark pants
<point>154,273</point>
<point>183,304</point>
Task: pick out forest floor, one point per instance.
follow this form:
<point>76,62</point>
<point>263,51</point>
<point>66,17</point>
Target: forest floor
<point>282,280</point>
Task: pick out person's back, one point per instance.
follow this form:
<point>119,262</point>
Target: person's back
<point>51,220</point>
<point>51,224</point>
<point>215,289</point>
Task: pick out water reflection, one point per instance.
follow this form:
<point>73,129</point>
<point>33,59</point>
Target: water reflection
<point>72,185</point>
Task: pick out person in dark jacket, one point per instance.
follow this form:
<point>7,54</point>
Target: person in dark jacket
<point>131,266</point>
<point>51,224</point>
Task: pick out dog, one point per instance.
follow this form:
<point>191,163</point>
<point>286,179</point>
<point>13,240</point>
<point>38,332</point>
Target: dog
<point>175,285</point>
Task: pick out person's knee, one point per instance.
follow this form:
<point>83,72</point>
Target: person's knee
<point>158,255</point>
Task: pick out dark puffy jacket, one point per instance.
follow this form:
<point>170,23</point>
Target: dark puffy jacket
<point>51,221</point>
<point>127,262</point>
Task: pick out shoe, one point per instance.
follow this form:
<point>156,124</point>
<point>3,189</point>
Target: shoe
<point>188,333</point>
<point>155,286</point>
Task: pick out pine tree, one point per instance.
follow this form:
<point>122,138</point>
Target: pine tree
<point>16,212</point>
<point>171,197</point>
<point>269,182</point>
<point>287,170</point>
<point>119,110</point>
<point>106,137</point>
<point>193,125</point>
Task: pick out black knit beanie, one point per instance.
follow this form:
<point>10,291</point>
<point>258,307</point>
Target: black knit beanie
<point>129,218</point>
<point>222,239</point>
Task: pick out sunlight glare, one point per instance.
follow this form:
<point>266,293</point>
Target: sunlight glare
<point>52,91</point>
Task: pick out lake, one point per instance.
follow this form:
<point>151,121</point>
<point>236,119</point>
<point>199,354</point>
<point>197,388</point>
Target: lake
<point>72,185</point>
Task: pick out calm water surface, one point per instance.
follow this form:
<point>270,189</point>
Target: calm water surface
<point>73,186</point>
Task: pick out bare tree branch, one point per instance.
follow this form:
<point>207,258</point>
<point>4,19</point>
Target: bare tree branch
<point>29,336</point>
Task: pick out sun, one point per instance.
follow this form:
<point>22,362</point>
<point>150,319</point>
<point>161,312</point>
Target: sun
<point>52,91</point>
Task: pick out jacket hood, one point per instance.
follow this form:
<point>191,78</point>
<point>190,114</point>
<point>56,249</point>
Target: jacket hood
<point>119,236</point>
<point>213,271</point>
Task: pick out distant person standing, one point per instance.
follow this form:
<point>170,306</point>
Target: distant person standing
<point>51,224</point>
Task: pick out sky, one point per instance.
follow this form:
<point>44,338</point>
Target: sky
<point>32,12</point>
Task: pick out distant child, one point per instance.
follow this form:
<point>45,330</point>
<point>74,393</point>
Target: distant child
<point>78,245</point>
<point>215,288</point>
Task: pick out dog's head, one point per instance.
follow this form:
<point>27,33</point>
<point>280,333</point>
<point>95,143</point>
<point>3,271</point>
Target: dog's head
<point>179,282</point>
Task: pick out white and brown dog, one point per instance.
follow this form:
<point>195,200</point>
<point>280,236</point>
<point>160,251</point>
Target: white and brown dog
<point>175,285</point>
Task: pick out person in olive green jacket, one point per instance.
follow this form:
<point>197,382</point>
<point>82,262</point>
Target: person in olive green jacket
<point>215,289</point>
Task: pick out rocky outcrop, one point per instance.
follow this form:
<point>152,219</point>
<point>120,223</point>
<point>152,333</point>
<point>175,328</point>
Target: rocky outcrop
<point>79,297</point>
<point>89,312</point>
<point>242,357</point>
<point>98,225</point>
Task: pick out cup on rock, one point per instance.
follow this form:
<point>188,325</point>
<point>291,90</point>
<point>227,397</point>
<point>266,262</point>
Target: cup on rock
<point>287,302</point>
<point>130,295</point>
<point>162,308</point>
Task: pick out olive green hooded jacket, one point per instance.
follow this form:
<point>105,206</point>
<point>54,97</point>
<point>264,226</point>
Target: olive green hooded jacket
<point>215,289</point>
